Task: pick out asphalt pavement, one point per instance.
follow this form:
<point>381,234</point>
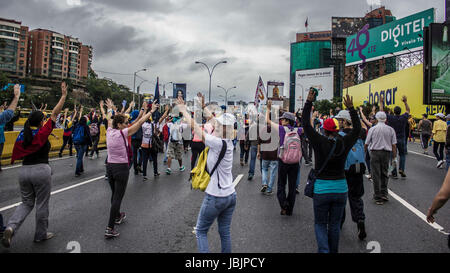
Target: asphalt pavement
<point>161,213</point>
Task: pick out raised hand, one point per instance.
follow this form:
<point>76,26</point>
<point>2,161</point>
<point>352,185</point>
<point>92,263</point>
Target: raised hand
<point>17,90</point>
<point>404,99</point>
<point>311,95</point>
<point>63,88</point>
<point>348,101</point>
<point>101,104</point>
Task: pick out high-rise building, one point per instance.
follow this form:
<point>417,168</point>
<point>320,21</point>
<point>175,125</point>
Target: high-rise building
<point>59,56</point>
<point>13,47</point>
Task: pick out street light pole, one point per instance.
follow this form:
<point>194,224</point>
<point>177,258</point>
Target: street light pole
<point>134,82</point>
<point>226,93</point>
<point>210,72</point>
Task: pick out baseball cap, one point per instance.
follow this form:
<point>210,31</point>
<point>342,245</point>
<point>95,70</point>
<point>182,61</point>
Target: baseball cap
<point>440,115</point>
<point>226,119</point>
<point>331,125</point>
<point>344,114</point>
<point>288,116</point>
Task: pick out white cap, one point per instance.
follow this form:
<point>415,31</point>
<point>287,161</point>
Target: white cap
<point>440,115</point>
<point>344,114</point>
<point>226,119</point>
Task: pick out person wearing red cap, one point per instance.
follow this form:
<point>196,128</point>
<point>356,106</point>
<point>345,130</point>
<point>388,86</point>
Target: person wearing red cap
<point>330,188</point>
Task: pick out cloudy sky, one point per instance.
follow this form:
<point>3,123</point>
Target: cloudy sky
<point>168,36</point>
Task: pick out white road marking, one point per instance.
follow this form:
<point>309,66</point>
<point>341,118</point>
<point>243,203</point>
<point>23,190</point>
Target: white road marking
<point>417,212</point>
<point>237,180</point>
<point>57,191</point>
<point>429,156</point>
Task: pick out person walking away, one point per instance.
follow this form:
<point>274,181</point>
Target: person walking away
<point>354,170</point>
<point>244,143</point>
<point>81,139</point>
<point>136,141</point>
<point>220,196</point>
<point>381,142</point>
<point>425,130</point>
<point>439,137</point>
<point>175,149</point>
<point>166,135</point>
<point>67,134</point>
<point>120,160</point>
<point>330,188</point>
<point>9,126</point>
<point>149,151</point>
<point>289,156</point>
<point>268,152</point>
<point>253,141</point>
<point>439,201</point>
<point>197,145</point>
<point>35,177</point>
<point>94,130</point>
<point>412,127</point>
<point>399,123</point>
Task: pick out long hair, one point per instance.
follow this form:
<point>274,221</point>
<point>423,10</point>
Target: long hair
<point>34,119</point>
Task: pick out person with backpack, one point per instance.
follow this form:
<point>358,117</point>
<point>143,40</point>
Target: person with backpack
<point>330,187</point>
<point>354,170</point>
<point>290,154</point>
<point>175,148</point>
<point>32,145</point>
<point>151,143</point>
<point>425,127</point>
<point>268,153</point>
<point>220,196</point>
<point>67,134</point>
<point>119,159</point>
<point>81,140</point>
<point>94,130</point>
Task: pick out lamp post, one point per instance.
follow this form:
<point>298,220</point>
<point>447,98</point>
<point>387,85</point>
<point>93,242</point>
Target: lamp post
<point>226,93</point>
<point>210,73</point>
<point>134,81</point>
<point>138,91</point>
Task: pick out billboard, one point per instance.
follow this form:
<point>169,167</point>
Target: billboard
<point>397,37</point>
<point>438,59</point>
<point>407,82</point>
<point>179,89</point>
<point>342,27</point>
<point>321,79</point>
<point>314,36</point>
<point>275,89</point>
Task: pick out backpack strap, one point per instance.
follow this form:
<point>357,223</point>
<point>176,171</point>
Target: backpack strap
<point>221,156</point>
<point>328,157</point>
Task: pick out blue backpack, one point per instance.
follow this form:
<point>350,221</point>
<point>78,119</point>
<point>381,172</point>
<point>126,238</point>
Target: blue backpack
<point>356,154</point>
<point>78,135</point>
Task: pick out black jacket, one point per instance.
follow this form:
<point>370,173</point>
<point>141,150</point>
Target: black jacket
<point>322,145</point>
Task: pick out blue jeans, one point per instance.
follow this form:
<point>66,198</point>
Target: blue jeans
<point>328,211</point>
<point>447,159</point>
<point>214,207</point>
<point>272,166</point>
<point>81,149</point>
<point>253,153</point>
<point>401,147</point>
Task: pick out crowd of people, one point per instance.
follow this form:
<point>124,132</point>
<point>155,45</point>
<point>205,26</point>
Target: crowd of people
<point>346,145</point>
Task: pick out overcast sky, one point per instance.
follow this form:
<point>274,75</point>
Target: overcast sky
<point>168,36</point>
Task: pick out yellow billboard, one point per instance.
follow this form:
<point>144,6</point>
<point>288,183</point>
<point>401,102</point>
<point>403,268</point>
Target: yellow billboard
<point>407,82</point>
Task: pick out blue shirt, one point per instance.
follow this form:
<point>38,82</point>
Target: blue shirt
<point>330,186</point>
<point>399,124</point>
<point>2,133</point>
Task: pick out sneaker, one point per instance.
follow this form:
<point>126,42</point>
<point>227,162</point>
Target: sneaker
<point>385,198</point>
<point>308,163</point>
<point>77,174</point>
<point>395,176</point>
<point>7,235</point>
<point>144,178</point>
<point>242,163</point>
<point>136,172</point>
<point>250,177</point>
<point>168,171</point>
<point>157,174</point>
<point>111,233</point>
<point>48,237</point>
<point>439,164</point>
<point>120,219</point>
<point>402,173</point>
<point>268,193</point>
<point>60,155</point>
<point>368,176</point>
<point>297,191</point>
<point>425,152</point>
<point>361,230</point>
<point>263,188</point>
<point>182,168</point>
<point>379,202</point>
<point>283,212</point>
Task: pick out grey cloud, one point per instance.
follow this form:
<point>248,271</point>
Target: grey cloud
<point>146,6</point>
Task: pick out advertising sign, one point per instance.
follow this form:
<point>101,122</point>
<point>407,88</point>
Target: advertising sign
<point>407,82</point>
<point>321,79</point>
<point>275,89</point>
<point>342,27</point>
<point>179,89</point>
<point>394,38</point>
<point>440,64</point>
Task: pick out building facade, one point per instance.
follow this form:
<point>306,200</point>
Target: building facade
<point>13,47</point>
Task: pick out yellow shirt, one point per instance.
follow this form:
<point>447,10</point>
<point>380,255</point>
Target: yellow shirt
<point>439,130</point>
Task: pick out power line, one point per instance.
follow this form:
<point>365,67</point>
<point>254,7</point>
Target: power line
<point>113,73</point>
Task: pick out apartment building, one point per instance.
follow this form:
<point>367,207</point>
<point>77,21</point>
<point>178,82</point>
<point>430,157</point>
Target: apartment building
<point>13,47</point>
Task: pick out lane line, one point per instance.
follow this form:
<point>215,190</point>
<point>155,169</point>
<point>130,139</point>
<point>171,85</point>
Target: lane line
<point>417,212</point>
<point>57,191</point>
<point>429,156</point>
<point>237,180</point>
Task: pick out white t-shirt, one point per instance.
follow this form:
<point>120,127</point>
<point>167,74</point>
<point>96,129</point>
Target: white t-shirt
<point>176,131</point>
<point>147,132</point>
<point>223,172</point>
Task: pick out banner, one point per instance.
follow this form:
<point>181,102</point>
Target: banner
<point>275,89</point>
<point>179,89</point>
<point>321,79</point>
<point>394,38</point>
<point>440,64</point>
<point>260,94</point>
<point>407,82</point>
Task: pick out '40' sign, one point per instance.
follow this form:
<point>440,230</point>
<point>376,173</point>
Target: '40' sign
<point>355,44</point>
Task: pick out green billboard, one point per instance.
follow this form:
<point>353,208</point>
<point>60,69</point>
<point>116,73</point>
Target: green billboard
<point>440,64</point>
<point>394,38</point>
